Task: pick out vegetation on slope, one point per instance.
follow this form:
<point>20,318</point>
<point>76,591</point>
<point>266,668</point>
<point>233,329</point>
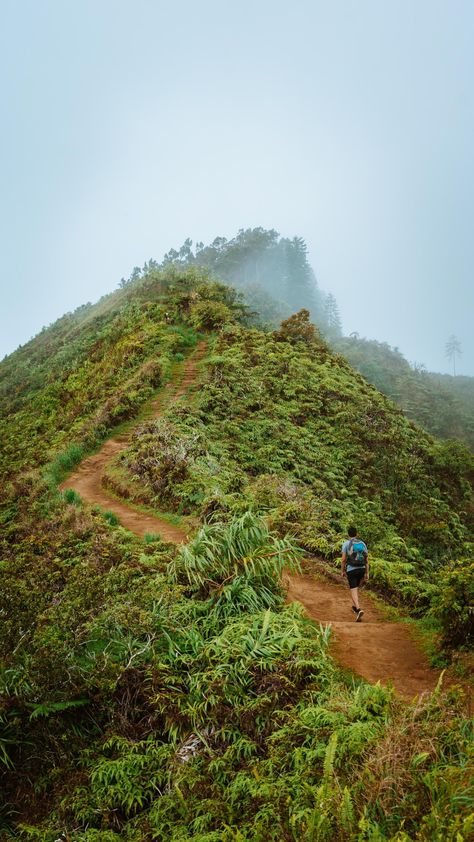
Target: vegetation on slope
<point>155,693</point>
<point>272,272</point>
<point>285,426</point>
<point>94,368</point>
<point>277,279</point>
<point>442,404</point>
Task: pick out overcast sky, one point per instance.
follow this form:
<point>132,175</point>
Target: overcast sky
<point>129,126</point>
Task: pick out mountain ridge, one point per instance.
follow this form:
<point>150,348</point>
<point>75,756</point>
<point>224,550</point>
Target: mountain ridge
<point>149,691</point>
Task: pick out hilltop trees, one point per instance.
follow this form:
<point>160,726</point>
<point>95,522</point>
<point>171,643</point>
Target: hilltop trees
<point>257,260</point>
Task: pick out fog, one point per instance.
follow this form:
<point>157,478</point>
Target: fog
<point>128,127</point>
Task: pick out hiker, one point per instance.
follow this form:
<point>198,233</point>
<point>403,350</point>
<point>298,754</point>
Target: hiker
<point>355,565</point>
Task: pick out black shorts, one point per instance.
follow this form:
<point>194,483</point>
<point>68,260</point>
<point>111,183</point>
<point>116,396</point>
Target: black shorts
<point>354,577</point>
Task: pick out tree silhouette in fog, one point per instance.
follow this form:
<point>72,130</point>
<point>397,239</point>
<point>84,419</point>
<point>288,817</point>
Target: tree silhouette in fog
<point>453,350</point>
<point>257,259</point>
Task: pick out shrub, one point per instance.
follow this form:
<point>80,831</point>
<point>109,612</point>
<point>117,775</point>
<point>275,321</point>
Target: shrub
<point>112,518</point>
<point>298,328</point>
<point>161,459</point>
<point>72,497</point>
<point>210,315</point>
<point>453,603</point>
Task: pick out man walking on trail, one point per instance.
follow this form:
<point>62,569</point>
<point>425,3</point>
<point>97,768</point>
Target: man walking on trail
<point>355,565</point>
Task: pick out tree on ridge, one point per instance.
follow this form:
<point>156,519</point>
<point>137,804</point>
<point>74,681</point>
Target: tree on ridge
<point>453,350</point>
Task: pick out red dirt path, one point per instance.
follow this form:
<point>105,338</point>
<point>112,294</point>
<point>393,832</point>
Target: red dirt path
<point>87,479</point>
<point>375,648</point>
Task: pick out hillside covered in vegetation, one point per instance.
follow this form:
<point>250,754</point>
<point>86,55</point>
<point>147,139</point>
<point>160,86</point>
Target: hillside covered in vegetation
<point>276,279</point>
<point>150,691</point>
<point>442,404</point>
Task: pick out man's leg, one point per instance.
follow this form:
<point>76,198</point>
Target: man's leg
<point>355,597</point>
<point>354,581</point>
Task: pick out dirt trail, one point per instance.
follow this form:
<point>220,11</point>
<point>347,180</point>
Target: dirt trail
<point>87,479</point>
<point>375,648</point>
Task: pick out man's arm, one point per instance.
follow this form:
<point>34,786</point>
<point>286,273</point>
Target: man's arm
<point>343,564</point>
<point>366,577</point>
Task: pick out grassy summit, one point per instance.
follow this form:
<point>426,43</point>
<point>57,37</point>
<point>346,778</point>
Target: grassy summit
<point>150,692</point>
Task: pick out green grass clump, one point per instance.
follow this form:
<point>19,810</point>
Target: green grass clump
<point>72,497</point>
<point>152,538</point>
<point>65,462</point>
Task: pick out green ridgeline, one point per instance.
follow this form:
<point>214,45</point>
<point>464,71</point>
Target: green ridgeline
<point>441,404</point>
<point>155,693</point>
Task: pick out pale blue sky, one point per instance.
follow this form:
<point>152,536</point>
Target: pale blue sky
<point>129,126</point>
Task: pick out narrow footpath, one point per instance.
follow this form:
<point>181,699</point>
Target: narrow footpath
<point>87,479</point>
<point>376,649</point>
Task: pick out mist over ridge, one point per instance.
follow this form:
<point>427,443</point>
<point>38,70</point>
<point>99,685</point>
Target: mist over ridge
<point>348,125</point>
<point>274,278</point>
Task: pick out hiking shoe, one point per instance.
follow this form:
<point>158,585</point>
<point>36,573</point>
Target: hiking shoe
<point>360,614</point>
<point>355,610</point>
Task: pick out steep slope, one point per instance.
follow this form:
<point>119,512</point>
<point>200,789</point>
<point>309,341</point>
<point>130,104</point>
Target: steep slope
<point>286,426</point>
<point>380,651</point>
<point>441,404</point>
<point>155,692</point>
<point>87,480</point>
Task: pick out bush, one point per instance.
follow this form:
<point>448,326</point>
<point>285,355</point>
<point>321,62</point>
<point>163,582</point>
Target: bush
<point>72,497</point>
<point>161,459</point>
<point>453,603</point>
<point>298,328</point>
<point>210,315</point>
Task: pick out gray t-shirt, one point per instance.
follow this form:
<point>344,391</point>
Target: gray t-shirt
<point>345,549</point>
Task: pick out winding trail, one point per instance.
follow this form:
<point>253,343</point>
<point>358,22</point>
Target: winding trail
<point>376,649</point>
<point>87,480</point>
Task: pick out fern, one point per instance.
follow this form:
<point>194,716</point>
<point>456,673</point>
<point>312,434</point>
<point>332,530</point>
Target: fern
<point>346,813</point>
<point>328,768</point>
<point>50,708</point>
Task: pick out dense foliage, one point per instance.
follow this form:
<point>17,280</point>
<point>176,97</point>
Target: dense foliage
<point>273,273</point>
<point>285,426</point>
<point>94,368</point>
<point>150,692</point>
<point>442,404</point>
<point>185,701</point>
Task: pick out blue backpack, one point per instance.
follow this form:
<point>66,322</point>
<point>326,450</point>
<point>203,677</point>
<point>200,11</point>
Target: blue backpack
<point>356,553</point>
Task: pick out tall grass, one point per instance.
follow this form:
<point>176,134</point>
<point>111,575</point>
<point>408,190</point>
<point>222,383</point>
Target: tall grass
<point>64,463</point>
